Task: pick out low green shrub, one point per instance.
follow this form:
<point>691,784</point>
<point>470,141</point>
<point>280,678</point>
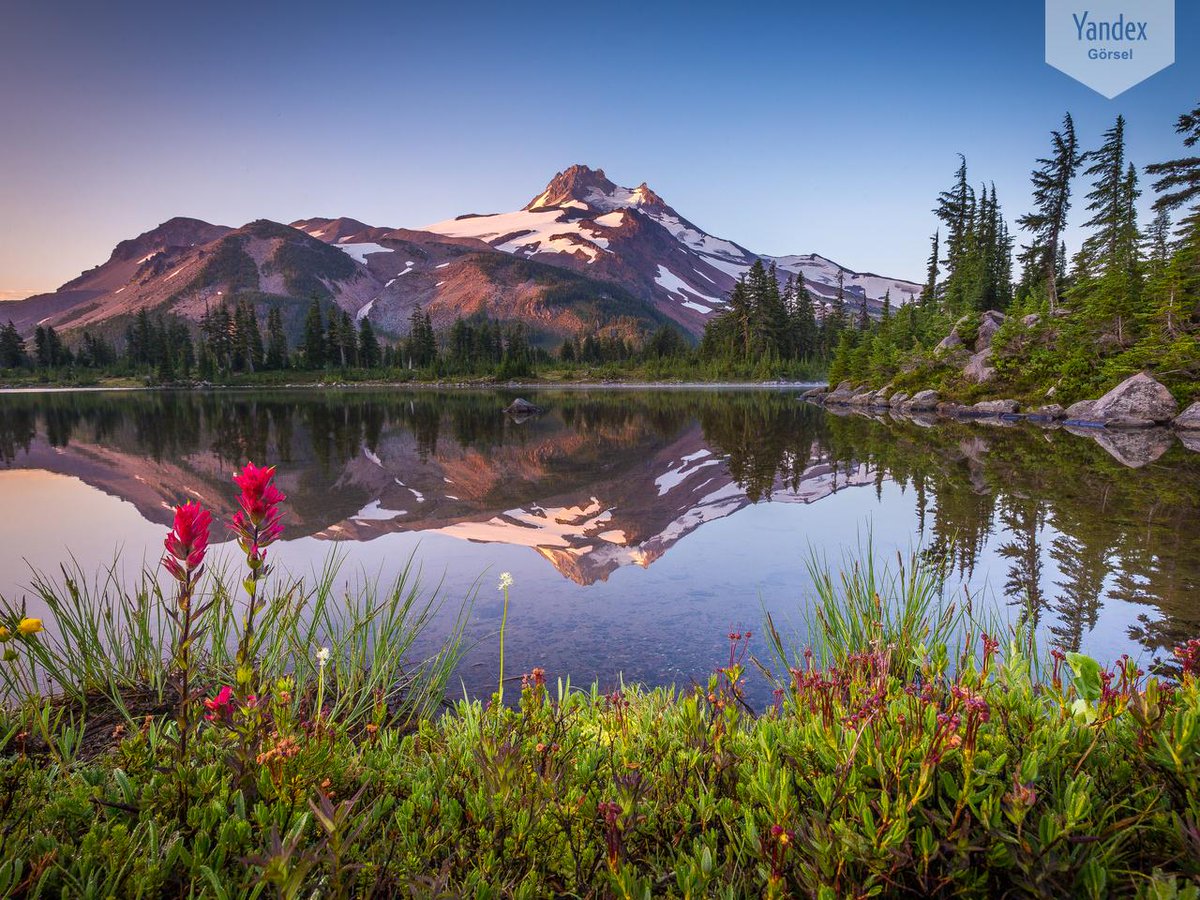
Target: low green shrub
<point>900,757</point>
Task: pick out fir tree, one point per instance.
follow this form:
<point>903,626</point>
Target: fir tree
<point>804,319</point>
<point>368,345</point>
<point>12,347</point>
<point>277,345</point>
<point>1102,249</point>
<point>1052,201</point>
<point>314,337</point>
<point>955,208</point>
<point>1178,183</point>
<point>421,345</point>
<point>930,292</point>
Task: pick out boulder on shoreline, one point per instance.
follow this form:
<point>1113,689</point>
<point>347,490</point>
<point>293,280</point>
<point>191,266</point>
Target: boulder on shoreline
<point>1189,419</point>
<point>995,407</point>
<point>840,394</point>
<point>863,398</point>
<point>923,401</point>
<point>881,399</point>
<point>1137,397</point>
<point>1051,412</point>
<point>1083,411</point>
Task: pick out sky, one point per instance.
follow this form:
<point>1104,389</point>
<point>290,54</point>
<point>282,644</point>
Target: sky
<point>790,128</point>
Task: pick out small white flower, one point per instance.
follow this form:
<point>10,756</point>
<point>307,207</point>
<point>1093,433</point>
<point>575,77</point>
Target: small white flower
<point>506,580</point>
<point>322,656</point>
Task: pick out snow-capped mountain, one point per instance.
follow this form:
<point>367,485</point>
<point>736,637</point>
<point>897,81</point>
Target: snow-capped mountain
<point>584,221</point>
<point>546,492</point>
<point>582,255</point>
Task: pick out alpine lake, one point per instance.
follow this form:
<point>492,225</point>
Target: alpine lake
<point>640,526</point>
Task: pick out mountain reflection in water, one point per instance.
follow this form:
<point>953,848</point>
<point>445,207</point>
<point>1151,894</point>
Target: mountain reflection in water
<point>609,481</point>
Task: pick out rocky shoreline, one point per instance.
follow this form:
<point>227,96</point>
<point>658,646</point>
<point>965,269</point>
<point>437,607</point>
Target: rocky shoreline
<point>1136,422</point>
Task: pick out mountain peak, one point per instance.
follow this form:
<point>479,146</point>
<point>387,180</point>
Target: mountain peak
<point>179,231</point>
<point>581,187</point>
<point>643,195</point>
<point>576,184</point>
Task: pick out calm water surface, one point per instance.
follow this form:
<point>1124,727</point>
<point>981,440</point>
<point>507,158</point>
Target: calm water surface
<point>640,526</point>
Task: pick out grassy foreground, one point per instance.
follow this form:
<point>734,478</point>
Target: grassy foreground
<point>903,755</point>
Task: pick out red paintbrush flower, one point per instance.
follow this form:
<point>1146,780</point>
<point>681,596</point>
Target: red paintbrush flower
<point>260,498</point>
<point>257,524</point>
<point>219,706</point>
<point>187,541</point>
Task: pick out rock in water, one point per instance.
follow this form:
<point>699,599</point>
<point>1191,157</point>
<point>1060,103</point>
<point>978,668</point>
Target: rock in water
<point>522,407</point>
<point>840,394</point>
<point>1051,411</point>
<point>1131,448</point>
<point>1189,419</point>
<point>1137,397</point>
<point>923,401</point>
<point>995,407</point>
<point>1083,411</point>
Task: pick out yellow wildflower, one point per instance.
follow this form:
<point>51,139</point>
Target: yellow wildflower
<point>29,626</point>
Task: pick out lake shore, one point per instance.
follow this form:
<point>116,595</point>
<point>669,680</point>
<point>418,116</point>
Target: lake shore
<point>311,768</point>
<point>538,385</point>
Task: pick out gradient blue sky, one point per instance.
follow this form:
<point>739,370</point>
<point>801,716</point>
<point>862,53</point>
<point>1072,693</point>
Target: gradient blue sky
<point>790,128</point>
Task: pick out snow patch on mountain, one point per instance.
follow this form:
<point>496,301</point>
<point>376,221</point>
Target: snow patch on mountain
<point>527,233</point>
<point>360,252</point>
<point>375,512</point>
<point>675,285</point>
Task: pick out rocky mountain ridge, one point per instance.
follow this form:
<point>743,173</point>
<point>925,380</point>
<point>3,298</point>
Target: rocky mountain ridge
<point>582,254</point>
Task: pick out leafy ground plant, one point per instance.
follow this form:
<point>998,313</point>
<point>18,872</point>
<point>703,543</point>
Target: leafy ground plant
<point>902,757</point>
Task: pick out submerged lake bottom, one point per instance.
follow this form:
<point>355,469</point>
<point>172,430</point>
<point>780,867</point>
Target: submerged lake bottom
<point>640,527</point>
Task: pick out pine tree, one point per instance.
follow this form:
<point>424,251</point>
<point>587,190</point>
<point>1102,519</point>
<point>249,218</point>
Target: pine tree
<point>930,292</point>
<point>347,341</point>
<point>421,345</point>
<point>955,208</point>
<point>247,339</point>
<point>1108,265</point>
<point>58,352</point>
<point>805,335</point>
<point>1178,183</point>
<point>314,337</point>
<point>1052,201</point>
<point>277,346</point>
<point>204,362</point>
<point>1173,290</point>
<point>1157,242</point>
<point>41,350</point>
<point>1102,248</point>
<point>368,345</point>
<point>12,347</point>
